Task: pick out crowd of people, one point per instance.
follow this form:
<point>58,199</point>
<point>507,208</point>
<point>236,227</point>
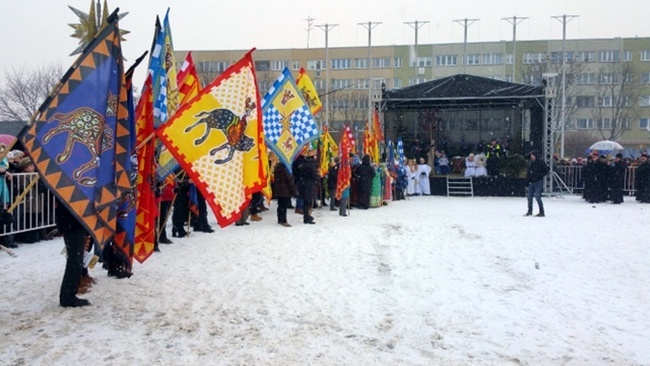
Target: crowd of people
<point>35,206</point>
<point>371,185</point>
<point>604,179</point>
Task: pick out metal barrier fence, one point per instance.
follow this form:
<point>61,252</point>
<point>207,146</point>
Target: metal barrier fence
<point>35,211</point>
<point>571,175</point>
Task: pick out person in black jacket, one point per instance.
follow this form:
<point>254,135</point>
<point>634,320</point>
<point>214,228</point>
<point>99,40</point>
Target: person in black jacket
<point>365,174</point>
<point>308,172</point>
<point>617,179</point>
<point>537,170</point>
<point>74,237</point>
<point>283,189</point>
<point>642,179</point>
<point>332,176</point>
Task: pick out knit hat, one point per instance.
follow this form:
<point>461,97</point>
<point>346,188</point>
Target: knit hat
<point>24,162</point>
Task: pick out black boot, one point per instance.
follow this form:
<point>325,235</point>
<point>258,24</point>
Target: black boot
<point>178,232</point>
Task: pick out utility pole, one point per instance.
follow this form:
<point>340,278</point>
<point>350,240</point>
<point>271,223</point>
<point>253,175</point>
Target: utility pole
<point>369,26</point>
<point>327,27</point>
<point>310,25</point>
<point>416,25</point>
<point>465,23</point>
<point>564,19</point>
<point>514,21</point>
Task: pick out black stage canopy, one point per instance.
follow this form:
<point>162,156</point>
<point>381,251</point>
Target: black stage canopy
<point>469,93</point>
<point>464,91</point>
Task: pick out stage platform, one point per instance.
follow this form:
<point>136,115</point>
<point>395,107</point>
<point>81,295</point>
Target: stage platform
<point>484,186</point>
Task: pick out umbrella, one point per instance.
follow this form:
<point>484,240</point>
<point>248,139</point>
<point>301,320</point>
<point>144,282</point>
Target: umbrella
<point>605,147</point>
<point>7,139</point>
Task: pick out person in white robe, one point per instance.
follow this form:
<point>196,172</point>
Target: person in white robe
<point>423,177</point>
<point>411,176</point>
<point>470,166</point>
<point>481,162</point>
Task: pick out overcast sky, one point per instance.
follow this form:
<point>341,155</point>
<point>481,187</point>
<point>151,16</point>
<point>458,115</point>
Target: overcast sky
<point>36,32</point>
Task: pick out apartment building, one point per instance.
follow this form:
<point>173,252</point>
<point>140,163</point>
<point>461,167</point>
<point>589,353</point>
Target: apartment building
<point>607,81</point>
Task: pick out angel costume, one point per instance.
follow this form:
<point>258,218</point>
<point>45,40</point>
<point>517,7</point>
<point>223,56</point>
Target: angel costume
<point>423,178</point>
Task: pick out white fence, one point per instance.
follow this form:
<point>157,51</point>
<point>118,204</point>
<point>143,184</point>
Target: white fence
<point>571,175</point>
<point>35,211</point>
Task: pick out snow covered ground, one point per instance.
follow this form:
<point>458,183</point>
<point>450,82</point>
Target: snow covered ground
<point>428,281</point>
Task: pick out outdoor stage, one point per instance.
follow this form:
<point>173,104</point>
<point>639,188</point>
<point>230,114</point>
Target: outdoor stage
<point>484,186</point>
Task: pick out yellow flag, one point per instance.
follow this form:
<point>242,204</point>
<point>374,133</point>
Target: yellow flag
<point>309,92</point>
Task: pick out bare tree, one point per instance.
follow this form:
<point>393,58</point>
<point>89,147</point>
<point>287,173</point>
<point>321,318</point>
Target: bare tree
<point>616,92</point>
<point>576,142</point>
<point>25,91</point>
<point>532,74</point>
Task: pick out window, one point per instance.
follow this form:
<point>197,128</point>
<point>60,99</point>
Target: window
<point>627,56</point>
<point>360,63</point>
<point>295,65</point>
<point>605,101</point>
<point>279,65</point>
<point>341,63</point>
<point>605,123</point>
<point>214,66</point>
<point>319,84</point>
<point>262,65</point>
<point>473,60</point>
<point>264,86</point>
<point>397,83</point>
<point>625,124</point>
<point>645,55</point>
<point>584,123</point>
<point>608,56</point>
<point>397,61</point>
<point>509,59</point>
<point>446,60</point>
<point>316,65</point>
<point>645,78</point>
<point>586,56</point>
<point>492,59</point>
<point>341,83</point>
<point>585,79</point>
<point>644,123</point>
<point>584,101</point>
<point>423,62</point>
<point>415,81</point>
<point>381,63</point>
<point>341,104</point>
<point>556,57</point>
<point>644,101</point>
<point>360,84</point>
<point>534,58</point>
<point>606,78</point>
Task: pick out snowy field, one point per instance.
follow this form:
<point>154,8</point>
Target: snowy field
<point>428,281</point>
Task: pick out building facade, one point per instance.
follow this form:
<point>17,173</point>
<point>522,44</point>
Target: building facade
<point>606,81</point>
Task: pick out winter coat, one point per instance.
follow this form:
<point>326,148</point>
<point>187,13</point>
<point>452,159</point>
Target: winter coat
<point>283,184</point>
<point>308,173</point>
<point>332,176</point>
<point>365,174</point>
<point>537,170</point>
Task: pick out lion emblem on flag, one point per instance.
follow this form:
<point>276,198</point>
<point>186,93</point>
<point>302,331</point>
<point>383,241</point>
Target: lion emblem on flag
<point>88,128</point>
<point>233,126</point>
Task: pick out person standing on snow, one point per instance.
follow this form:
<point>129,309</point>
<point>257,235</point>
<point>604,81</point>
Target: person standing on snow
<point>537,170</point>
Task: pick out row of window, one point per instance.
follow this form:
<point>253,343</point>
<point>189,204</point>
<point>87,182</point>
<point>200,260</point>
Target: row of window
<point>473,124</point>
<point>590,101</point>
<point>442,60</point>
<point>606,123</point>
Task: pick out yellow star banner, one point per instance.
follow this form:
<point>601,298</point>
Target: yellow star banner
<point>217,139</point>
